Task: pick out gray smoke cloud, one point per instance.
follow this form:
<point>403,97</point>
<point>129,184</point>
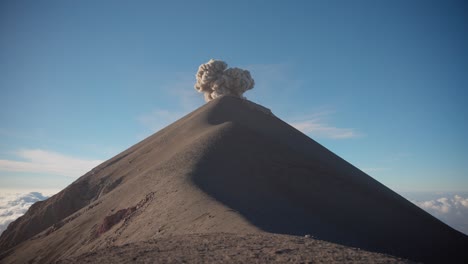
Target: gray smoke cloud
<point>214,80</point>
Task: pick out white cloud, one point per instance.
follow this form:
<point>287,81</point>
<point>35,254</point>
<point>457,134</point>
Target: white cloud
<point>42,161</point>
<point>441,205</point>
<point>445,205</point>
<point>158,119</point>
<point>452,210</point>
<point>270,81</point>
<point>183,100</point>
<point>184,93</point>
<point>14,205</point>
<point>317,126</point>
<point>460,201</point>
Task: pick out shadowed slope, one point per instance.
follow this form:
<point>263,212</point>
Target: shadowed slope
<point>292,185</point>
<point>227,167</point>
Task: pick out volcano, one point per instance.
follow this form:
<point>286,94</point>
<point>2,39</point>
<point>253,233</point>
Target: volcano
<point>229,168</point>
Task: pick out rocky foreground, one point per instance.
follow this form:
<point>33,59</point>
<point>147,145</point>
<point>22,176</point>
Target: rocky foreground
<point>232,248</point>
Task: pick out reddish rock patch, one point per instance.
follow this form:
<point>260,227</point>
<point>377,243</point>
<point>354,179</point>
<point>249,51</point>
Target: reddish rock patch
<point>123,214</point>
<point>113,219</point>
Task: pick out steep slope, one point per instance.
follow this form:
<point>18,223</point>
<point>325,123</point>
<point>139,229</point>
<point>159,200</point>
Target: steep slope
<point>150,181</point>
<point>227,167</point>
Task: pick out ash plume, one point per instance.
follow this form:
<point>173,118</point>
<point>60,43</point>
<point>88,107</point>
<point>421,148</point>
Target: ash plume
<point>214,80</point>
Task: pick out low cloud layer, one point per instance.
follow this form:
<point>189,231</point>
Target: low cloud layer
<point>453,210</point>
<point>214,80</point>
<point>317,126</point>
<point>42,161</point>
<point>15,205</point>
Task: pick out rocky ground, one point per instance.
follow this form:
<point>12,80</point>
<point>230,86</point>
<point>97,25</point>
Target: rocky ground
<point>232,248</point>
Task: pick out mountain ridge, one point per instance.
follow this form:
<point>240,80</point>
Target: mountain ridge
<point>229,166</point>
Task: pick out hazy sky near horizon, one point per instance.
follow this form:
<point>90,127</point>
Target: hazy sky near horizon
<point>383,84</point>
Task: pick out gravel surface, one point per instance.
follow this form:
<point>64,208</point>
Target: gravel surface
<point>232,248</point>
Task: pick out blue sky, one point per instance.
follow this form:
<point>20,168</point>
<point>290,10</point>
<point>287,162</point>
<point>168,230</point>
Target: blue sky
<point>380,83</point>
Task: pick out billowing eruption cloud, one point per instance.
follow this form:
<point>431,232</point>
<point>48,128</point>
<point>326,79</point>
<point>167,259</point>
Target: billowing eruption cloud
<point>215,80</point>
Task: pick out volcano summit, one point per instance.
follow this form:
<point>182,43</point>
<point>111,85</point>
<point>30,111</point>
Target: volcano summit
<point>228,176</point>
